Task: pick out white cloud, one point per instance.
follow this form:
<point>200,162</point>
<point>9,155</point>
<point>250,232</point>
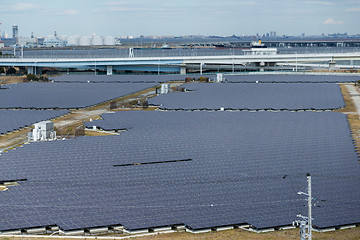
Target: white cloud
<point>70,12</point>
<point>324,3</point>
<point>331,21</point>
<point>24,7</point>
<point>353,10</point>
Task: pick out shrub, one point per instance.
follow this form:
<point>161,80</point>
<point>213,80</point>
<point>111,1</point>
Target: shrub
<point>31,77</point>
<point>204,79</point>
<point>43,79</point>
<point>10,71</point>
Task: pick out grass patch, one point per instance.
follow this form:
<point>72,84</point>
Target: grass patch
<point>96,133</point>
<point>106,105</point>
<point>12,79</point>
<point>239,234</point>
<point>236,234</point>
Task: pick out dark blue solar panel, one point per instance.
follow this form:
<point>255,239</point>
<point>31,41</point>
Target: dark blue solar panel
<point>291,78</point>
<point>64,95</point>
<point>239,160</point>
<point>11,120</point>
<point>124,78</point>
<point>252,96</point>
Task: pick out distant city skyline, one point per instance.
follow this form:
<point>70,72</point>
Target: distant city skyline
<point>186,17</point>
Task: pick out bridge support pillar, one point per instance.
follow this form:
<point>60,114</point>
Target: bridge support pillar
<point>109,70</point>
<point>30,70</point>
<point>182,69</point>
<point>262,66</point>
<point>331,65</point>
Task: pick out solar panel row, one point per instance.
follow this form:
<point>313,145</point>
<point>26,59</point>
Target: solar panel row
<point>64,95</point>
<point>292,78</point>
<point>252,96</point>
<point>231,78</point>
<point>239,160</point>
<point>124,78</point>
<point>11,120</point>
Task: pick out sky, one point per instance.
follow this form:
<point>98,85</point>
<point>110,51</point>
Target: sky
<point>179,17</point>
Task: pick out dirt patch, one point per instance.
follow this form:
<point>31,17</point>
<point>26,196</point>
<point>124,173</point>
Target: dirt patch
<point>13,138</point>
<point>352,114</point>
<point>239,234</point>
<point>349,104</point>
<point>354,123</point>
<point>96,133</point>
<point>12,79</point>
<point>127,100</point>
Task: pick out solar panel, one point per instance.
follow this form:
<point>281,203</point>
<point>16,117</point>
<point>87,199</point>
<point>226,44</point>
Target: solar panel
<point>252,96</point>
<point>267,78</point>
<point>236,173</point>
<point>125,78</point>
<point>11,120</point>
<point>64,95</point>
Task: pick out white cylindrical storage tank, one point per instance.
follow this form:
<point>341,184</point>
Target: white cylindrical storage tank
<point>73,40</point>
<point>64,37</point>
<point>49,38</point>
<point>109,41</point>
<point>85,41</point>
<point>98,41</point>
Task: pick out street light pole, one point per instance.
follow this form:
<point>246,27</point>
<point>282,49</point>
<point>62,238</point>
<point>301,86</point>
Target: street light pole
<point>309,206</point>
<point>306,223</point>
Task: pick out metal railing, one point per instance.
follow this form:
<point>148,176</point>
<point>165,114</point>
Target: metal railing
<point>175,52</point>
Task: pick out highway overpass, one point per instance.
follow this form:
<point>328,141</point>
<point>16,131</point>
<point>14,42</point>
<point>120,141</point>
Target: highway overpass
<point>182,63</point>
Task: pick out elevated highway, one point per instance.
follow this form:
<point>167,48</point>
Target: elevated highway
<point>181,63</point>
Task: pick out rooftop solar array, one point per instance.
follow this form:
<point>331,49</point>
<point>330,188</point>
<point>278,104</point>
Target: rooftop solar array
<point>125,78</point>
<point>64,95</point>
<point>292,78</point>
<point>235,168</point>
<point>11,120</point>
<point>252,96</point>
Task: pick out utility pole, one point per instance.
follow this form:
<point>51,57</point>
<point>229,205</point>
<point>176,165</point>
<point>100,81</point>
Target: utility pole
<point>306,223</point>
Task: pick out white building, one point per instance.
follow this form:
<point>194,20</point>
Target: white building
<point>27,42</point>
<point>43,131</point>
<point>260,51</point>
<point>54,42</point>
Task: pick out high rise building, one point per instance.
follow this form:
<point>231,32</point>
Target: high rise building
<point>15,31</point>
<point>272,34</point>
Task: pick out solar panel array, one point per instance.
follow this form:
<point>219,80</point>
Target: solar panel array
<point>292,78</point>
<point>252,96</point>
<point>11,120</point>
<point>64,95</point>
<point>246,167</point>
<point>125,78</point>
